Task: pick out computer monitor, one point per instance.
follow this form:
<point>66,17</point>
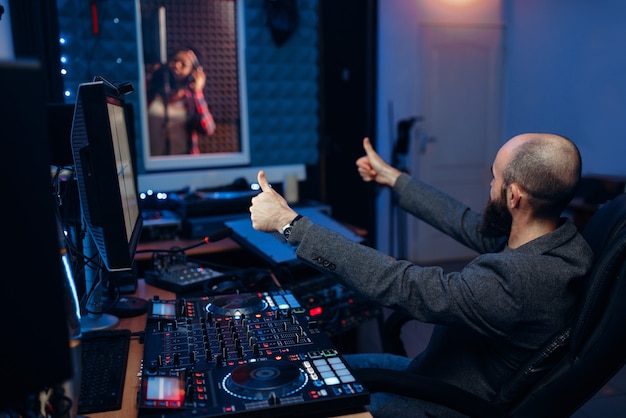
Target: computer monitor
<point>105,173</point>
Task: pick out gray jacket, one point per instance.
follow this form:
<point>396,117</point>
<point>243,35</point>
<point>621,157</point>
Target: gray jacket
<point>490,315</point>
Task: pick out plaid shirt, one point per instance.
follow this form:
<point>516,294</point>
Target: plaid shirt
<point>201,120</point>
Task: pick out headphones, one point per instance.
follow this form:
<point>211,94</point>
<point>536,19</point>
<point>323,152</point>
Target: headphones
<point>195,63</point>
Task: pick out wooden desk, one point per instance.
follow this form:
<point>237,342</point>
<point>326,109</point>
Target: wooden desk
<point>135,355</point>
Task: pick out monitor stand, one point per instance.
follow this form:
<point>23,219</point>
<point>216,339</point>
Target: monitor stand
<point>117,290</point>
<point>97,322</point>
<point>95,319</point>
<point>129,306</point>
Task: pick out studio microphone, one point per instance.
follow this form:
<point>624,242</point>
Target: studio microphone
<point>221,234</point>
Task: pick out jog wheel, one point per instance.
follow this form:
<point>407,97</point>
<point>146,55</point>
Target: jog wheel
<point>236,305</point>
<point>265,380</point>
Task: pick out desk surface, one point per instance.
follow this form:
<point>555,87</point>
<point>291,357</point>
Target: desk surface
<point>131,386</point>
<point>145,249</point>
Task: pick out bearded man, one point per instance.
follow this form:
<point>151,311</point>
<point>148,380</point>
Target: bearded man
<point>495,312</point>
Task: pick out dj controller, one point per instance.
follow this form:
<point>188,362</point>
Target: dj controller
<point>243,355</point>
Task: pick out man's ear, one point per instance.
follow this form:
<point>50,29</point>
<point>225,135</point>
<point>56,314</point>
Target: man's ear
<point>515,194</point>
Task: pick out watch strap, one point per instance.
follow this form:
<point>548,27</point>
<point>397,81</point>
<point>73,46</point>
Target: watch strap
<point>287,228</point>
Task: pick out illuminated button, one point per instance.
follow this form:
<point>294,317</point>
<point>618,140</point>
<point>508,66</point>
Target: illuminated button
<point>315,311</point>
<point>331,381</point>
<point>343,372</point>
<point>281,302</point>
<point>347,378</point>
<point>326,375</point>
<point>291,299</point>
<point>348,389</point>
<point>324,368</point>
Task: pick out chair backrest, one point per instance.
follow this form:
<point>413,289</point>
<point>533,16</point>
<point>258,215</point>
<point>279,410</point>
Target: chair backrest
<point>606,223</point>
<point>580,359</point>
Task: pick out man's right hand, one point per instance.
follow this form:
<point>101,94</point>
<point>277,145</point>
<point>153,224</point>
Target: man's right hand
<point>372,167</point>
<point>269,211</point>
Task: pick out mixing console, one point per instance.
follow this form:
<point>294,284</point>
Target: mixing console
<point>249,355</point>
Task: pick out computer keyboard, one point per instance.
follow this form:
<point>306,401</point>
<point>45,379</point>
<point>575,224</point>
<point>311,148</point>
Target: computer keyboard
<point>104,358</point>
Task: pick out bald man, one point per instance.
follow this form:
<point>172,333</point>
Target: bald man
<point>502,306</point>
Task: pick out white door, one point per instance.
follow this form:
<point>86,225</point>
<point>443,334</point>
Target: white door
<point>460,73</point>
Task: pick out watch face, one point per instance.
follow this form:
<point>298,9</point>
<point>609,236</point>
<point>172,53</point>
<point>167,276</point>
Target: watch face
<point>287,232</point>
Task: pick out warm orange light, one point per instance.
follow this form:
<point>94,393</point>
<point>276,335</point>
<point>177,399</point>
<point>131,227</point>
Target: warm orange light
<point>454,11</point>
<point>459,2</point>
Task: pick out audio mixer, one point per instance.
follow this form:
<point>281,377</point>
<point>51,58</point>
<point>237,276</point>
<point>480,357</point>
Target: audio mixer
<point>250,354</point>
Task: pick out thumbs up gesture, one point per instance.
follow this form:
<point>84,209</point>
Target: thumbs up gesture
<point>269,210</point>
<point>372,168</point>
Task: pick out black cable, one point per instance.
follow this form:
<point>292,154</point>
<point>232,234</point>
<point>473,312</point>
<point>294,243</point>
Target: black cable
<point>216,236</point>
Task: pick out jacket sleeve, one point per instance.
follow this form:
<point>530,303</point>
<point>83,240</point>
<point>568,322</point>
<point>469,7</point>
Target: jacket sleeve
<point>444,213</point>
<point>425,293</point>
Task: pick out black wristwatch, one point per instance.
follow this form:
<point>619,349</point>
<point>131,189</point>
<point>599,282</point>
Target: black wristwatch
<point>287,228</point>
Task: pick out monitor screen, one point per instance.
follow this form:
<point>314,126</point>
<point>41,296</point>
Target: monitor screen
<point>105,173</point>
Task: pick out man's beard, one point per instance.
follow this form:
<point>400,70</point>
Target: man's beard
<point>497,219</point>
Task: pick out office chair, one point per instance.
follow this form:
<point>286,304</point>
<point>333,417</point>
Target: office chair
<point>569,369</point>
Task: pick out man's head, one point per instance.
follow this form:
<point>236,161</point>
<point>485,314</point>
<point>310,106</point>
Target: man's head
<point>544,168</point>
